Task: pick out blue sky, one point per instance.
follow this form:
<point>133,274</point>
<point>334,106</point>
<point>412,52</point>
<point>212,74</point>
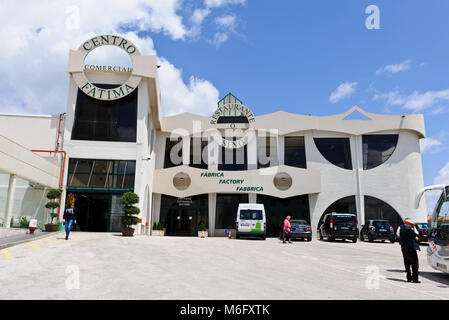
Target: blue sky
<point>303,56</point>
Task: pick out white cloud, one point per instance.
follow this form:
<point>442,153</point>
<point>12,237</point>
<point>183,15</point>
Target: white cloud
<point>393,98</point>
<point>416,101</point>
<point>219,38</point>
<point>222,3</point>
<point>345,90</point>
<point>433,196</point>
<point>199,96</point>
<point>226,21</point>
<point>39,34</point>
<point>431,200</point>
<point>394,68</point>
<point>199,15</point>
<point>428,143</point>
<point>443,176</point>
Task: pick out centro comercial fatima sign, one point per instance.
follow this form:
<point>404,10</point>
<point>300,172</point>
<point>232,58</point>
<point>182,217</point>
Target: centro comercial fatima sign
<point>107,94</point>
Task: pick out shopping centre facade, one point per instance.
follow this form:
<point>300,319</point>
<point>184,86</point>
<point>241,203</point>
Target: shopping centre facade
<point>189,169</point>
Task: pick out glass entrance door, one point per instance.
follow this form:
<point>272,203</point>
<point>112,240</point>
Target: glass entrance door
<point>182,222</point>
<point>182,217</point>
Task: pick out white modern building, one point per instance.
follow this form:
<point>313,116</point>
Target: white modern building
<point>189,169</point>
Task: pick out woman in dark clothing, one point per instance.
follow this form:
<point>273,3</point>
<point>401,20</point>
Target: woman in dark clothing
<point>68,218</point>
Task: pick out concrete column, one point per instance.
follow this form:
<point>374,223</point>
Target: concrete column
<point>213,155</point>
<point>186,150</point>
<point>10,200</point>
<point>252,153</point>
<point>358,167</point>
<point>252,197</point>
<point>212,206</point>
<point>156,205</point>
<point>281,150</point>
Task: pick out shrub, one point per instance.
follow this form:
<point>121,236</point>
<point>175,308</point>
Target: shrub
<point>202,227</point>
<point>52,195</point>
<point>24,223</point>
<point>158,226</point>
<point>129,199</point>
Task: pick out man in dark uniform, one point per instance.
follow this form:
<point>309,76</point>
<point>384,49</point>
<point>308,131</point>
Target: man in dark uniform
<point>408,238</point>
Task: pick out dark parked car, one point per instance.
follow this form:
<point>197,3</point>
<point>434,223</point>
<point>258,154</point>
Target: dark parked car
<point>377,230</point>
<point>301,229</point>
<point>423,229</point>
<point>339,226</point>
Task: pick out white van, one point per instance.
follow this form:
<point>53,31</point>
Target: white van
<point>251,221</point>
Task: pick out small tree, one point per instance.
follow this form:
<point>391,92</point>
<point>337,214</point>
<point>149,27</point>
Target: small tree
<point>129,199</point>
<point>52,195</point>
<point>202,227</point>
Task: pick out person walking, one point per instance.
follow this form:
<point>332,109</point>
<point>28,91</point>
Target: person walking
<point>68,218</point>
<point>408,238</point>
<point>287,230</point>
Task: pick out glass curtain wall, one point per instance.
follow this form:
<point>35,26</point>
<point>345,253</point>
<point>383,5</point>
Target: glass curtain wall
<point>99,120</point>
<point>377,149</point>
<point>336,150</point>
<point>295,152</point>
<point>101,174</point>
<point>226,209</point>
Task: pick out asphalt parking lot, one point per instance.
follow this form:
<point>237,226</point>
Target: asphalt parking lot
<point>108,266</point>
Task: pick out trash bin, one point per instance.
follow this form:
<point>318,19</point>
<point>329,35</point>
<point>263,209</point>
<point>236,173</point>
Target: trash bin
<point>32,226</point>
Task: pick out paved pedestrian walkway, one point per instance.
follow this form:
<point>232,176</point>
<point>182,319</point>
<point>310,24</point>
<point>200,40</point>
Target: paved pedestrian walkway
<point>21,238</point>
<point>97,266</point>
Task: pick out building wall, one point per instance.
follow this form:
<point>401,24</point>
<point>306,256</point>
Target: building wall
<point>22,130</point>
<point>395,182</point>
<point>138,151</point>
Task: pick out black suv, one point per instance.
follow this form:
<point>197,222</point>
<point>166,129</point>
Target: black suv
<point>377,230</point>
<point>339,226</point>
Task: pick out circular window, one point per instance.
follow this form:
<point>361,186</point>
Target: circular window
<point>282,181</point>
<point>181,181</point>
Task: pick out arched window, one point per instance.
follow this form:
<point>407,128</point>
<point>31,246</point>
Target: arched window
<point>336,150</point>
<point>343,205</point>
<point>376,209</point>
<point>377,149</point>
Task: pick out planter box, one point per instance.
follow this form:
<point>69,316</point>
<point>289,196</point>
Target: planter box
<point>127,232</point>
<point>203,234</point>
<point>51,227</point>
<point>158,233</point>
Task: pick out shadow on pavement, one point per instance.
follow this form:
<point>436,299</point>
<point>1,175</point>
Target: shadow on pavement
<point>441,278</point>
<point>436,276</point>
<point>397,280</point>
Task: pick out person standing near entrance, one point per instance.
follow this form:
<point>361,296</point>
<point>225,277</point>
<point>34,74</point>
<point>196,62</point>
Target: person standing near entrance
<point>287,230</point>
<point>408,238</point>
<point>68,218</point>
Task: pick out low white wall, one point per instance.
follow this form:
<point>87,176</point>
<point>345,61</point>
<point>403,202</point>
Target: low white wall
<point>11,232</point>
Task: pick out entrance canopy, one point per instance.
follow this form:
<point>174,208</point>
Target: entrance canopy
<point>17,160</point>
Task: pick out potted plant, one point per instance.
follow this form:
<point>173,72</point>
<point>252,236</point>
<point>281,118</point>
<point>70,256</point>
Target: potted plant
<point>52,195</point>
<point>158,230</point>
<point>129,199</point>
<point>202,230</point>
